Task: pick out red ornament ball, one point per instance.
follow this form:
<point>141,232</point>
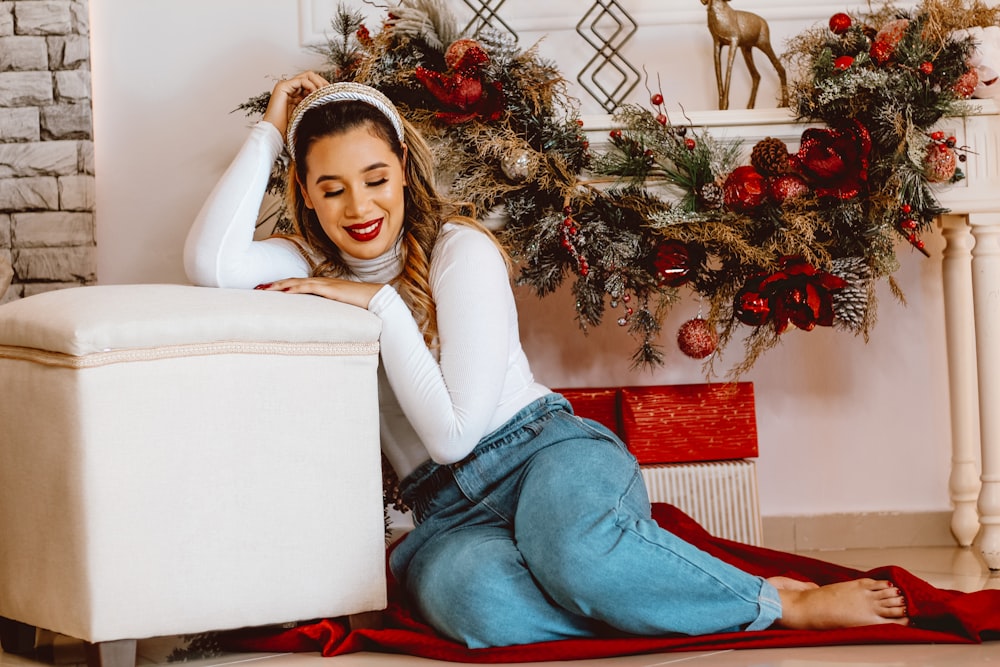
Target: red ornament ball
<point>697,339</point>
<point>888,38</point>
<point>892,32</point>
<point>843,62</point>
<point>927,67</point>
<point>673,263</point>
<point>656,99</point>
<point>465,54</point>
<point>966,84</point>
<point>940,163</point>
<point>744,189</point>
<point>840,23</point>
<point>787,186</point>
<point>662,119</point>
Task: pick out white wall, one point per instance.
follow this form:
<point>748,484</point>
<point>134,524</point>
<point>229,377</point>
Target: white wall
<point>844,426</point>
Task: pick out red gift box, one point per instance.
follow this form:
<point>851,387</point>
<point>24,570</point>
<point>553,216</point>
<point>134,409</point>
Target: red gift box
<point>692,422</point>
<point>599,404</point>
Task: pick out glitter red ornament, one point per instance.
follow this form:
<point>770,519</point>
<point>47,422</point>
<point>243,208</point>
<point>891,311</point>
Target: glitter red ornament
<point>840,23</point>
<point>464,54</point>
<point>940,163</point>
<point>966,84</point>
<point>881,52</point>
<point>887,39</point>
<point>786,187</point>
<point>697,339</point>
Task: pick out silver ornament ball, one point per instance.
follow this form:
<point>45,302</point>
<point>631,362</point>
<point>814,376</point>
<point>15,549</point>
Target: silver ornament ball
<point>519,166</point>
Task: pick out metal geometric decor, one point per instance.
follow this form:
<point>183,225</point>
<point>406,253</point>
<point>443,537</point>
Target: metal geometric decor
<point>485,15</point>
<point>608,77</point>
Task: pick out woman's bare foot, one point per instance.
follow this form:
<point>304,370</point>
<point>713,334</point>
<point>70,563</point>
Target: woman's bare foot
<point>843,605</point>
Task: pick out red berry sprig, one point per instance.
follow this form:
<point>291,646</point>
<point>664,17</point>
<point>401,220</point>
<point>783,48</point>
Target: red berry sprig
<point>949,143</point>
<point>656,99</point>
<point>580,137</point>
<point>570,232</point>
<point>624,319</point>
<point>908,226</point>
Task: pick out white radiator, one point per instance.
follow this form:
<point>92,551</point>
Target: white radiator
<point>719,495</point>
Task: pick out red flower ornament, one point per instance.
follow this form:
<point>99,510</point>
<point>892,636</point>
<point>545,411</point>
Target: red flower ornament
<point>751,306</point>
<point>834,161</point>
<point>799,294</point>
<point>463,91</point>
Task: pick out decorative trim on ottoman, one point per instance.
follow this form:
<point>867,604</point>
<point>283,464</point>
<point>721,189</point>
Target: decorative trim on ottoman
<point>176,351</point>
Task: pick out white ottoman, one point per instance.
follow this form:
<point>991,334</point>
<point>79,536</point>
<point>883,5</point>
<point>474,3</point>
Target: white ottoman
<point>179,459</point>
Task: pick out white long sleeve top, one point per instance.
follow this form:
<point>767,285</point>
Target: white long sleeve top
<point>432,405</point>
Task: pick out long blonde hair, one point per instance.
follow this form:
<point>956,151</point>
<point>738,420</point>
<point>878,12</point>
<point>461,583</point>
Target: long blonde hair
<point>426,210</point>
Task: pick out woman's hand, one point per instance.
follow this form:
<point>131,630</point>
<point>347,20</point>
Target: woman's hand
<point>337,289</point>
<point>287,94</point>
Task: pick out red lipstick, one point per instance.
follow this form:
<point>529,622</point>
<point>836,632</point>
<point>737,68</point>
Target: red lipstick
<point>366,231</point>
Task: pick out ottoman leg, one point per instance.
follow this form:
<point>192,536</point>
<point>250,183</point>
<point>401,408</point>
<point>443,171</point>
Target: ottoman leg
<point>111,654</point>
<point>16,637</point>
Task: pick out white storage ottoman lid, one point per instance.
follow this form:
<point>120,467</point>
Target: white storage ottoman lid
<point>109,321</point>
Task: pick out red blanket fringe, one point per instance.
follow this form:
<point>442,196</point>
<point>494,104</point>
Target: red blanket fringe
<point>937,616</point>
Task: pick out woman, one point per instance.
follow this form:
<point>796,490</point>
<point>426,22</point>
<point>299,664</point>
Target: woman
<point>531,524</point>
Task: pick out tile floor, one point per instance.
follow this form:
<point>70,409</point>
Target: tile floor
<point>954,568</point>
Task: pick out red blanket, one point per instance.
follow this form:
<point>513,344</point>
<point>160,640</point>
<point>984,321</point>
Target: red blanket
<point>937,616</point>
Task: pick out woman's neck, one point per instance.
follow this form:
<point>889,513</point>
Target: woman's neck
<point>382,269</point>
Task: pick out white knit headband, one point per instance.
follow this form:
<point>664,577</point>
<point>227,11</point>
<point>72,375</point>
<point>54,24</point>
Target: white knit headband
<point>341,92</point>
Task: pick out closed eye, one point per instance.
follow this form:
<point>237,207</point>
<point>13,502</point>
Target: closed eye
<point>375,184</point>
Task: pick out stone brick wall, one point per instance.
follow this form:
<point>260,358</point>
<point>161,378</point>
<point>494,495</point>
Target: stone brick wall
<point>46,145</point>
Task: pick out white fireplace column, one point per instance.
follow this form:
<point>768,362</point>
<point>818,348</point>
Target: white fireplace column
<point>986,294</point>
<point>964,482</point>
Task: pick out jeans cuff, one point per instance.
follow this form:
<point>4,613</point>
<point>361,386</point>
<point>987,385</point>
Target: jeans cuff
<point>769,603</point>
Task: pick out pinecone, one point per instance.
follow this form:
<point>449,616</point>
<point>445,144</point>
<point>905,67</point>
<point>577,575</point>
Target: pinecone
<point>850,304</point>
<point>770,157</point>
<point>711,196</point>
<point>392,495</point>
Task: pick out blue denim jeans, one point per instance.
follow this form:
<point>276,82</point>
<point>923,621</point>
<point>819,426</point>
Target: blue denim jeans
<point>544,532</point>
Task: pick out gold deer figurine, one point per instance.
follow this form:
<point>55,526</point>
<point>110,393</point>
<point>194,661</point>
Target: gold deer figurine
<point>746,30</point>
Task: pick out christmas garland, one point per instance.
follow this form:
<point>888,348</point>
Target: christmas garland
<point>788,240</point>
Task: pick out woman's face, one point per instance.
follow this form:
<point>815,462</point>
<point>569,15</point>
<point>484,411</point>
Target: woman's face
<point>354,183</point>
